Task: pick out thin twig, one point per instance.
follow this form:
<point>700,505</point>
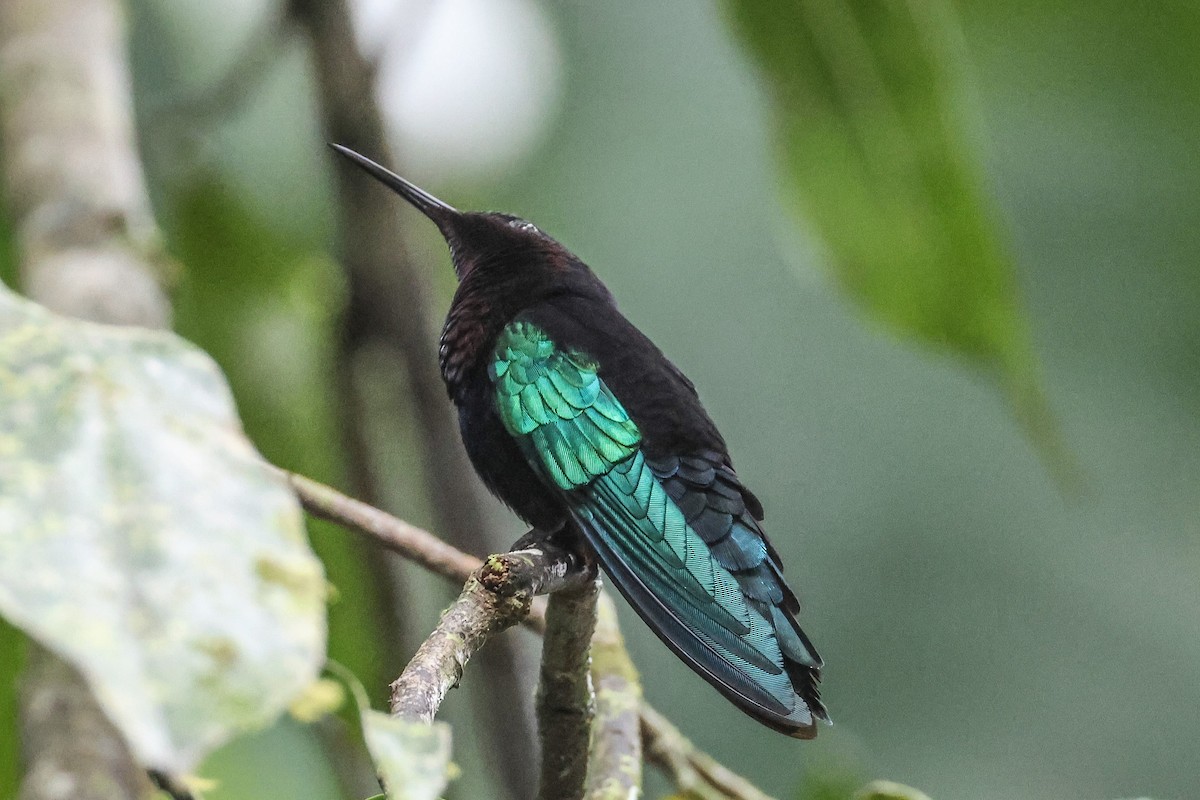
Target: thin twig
<point>564,700</point>
<point>497,596</point>
<point>417,545</point>
<point>695,772</point>
<point>615,768</point>
<point>665,747</point>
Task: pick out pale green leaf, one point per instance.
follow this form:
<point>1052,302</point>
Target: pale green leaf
<point>322,698</point>
<point>144,540</point>
<point>413,758</point>
<point>870,128</point>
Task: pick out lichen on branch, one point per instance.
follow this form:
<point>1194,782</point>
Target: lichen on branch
<point>497,596</point>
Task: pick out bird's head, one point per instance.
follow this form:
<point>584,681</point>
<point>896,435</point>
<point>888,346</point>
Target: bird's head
<point>508,249</point>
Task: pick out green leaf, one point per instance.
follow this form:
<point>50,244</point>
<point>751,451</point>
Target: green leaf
<point>870,135</point>
<point>413,758</point>
<point>886,790</point>
<point>830,774</point>
<point>144,540</point>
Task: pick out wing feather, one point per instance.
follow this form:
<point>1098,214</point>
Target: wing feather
<point>676,535</point>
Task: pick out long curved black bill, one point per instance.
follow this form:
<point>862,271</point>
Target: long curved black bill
<point>422,200</point>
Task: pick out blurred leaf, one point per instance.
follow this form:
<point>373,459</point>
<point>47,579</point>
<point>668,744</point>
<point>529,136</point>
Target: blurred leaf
<point>413,758</point>
<point>886,790</point>
<point>868,127</point>
<point>144,540</point>
<point>830,776</point>
<point>322,698</point>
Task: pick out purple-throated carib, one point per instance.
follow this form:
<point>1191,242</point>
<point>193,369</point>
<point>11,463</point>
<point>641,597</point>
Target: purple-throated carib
<point>582,426</point>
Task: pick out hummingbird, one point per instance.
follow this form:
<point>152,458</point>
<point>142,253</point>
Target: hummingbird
<point>575,420</point>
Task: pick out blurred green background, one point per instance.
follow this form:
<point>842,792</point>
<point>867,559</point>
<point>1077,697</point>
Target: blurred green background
<point>986,634</point>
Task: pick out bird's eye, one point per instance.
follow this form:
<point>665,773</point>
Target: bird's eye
<point>522,225</point>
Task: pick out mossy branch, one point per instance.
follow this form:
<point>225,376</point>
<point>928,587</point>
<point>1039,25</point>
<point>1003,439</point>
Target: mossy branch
<point>615,772</point>
<point>497,595</point>
<point>614,755</point>
<point>564,700</point>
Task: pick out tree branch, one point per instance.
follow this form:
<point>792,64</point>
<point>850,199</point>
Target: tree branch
<point>496,597</point>
<point>564,700</point>
<point>438,665</point>
<point>417,545</point>
<point>615,771</point>
<point>665,747</point>
<point>70,747</point>
<point>89,245</point>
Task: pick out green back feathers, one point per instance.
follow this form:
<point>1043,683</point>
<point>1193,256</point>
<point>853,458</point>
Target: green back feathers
<point>566,420</point>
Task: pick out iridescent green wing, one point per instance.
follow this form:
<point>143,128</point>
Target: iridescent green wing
<point>705,583</point>
<point>565,419</point>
